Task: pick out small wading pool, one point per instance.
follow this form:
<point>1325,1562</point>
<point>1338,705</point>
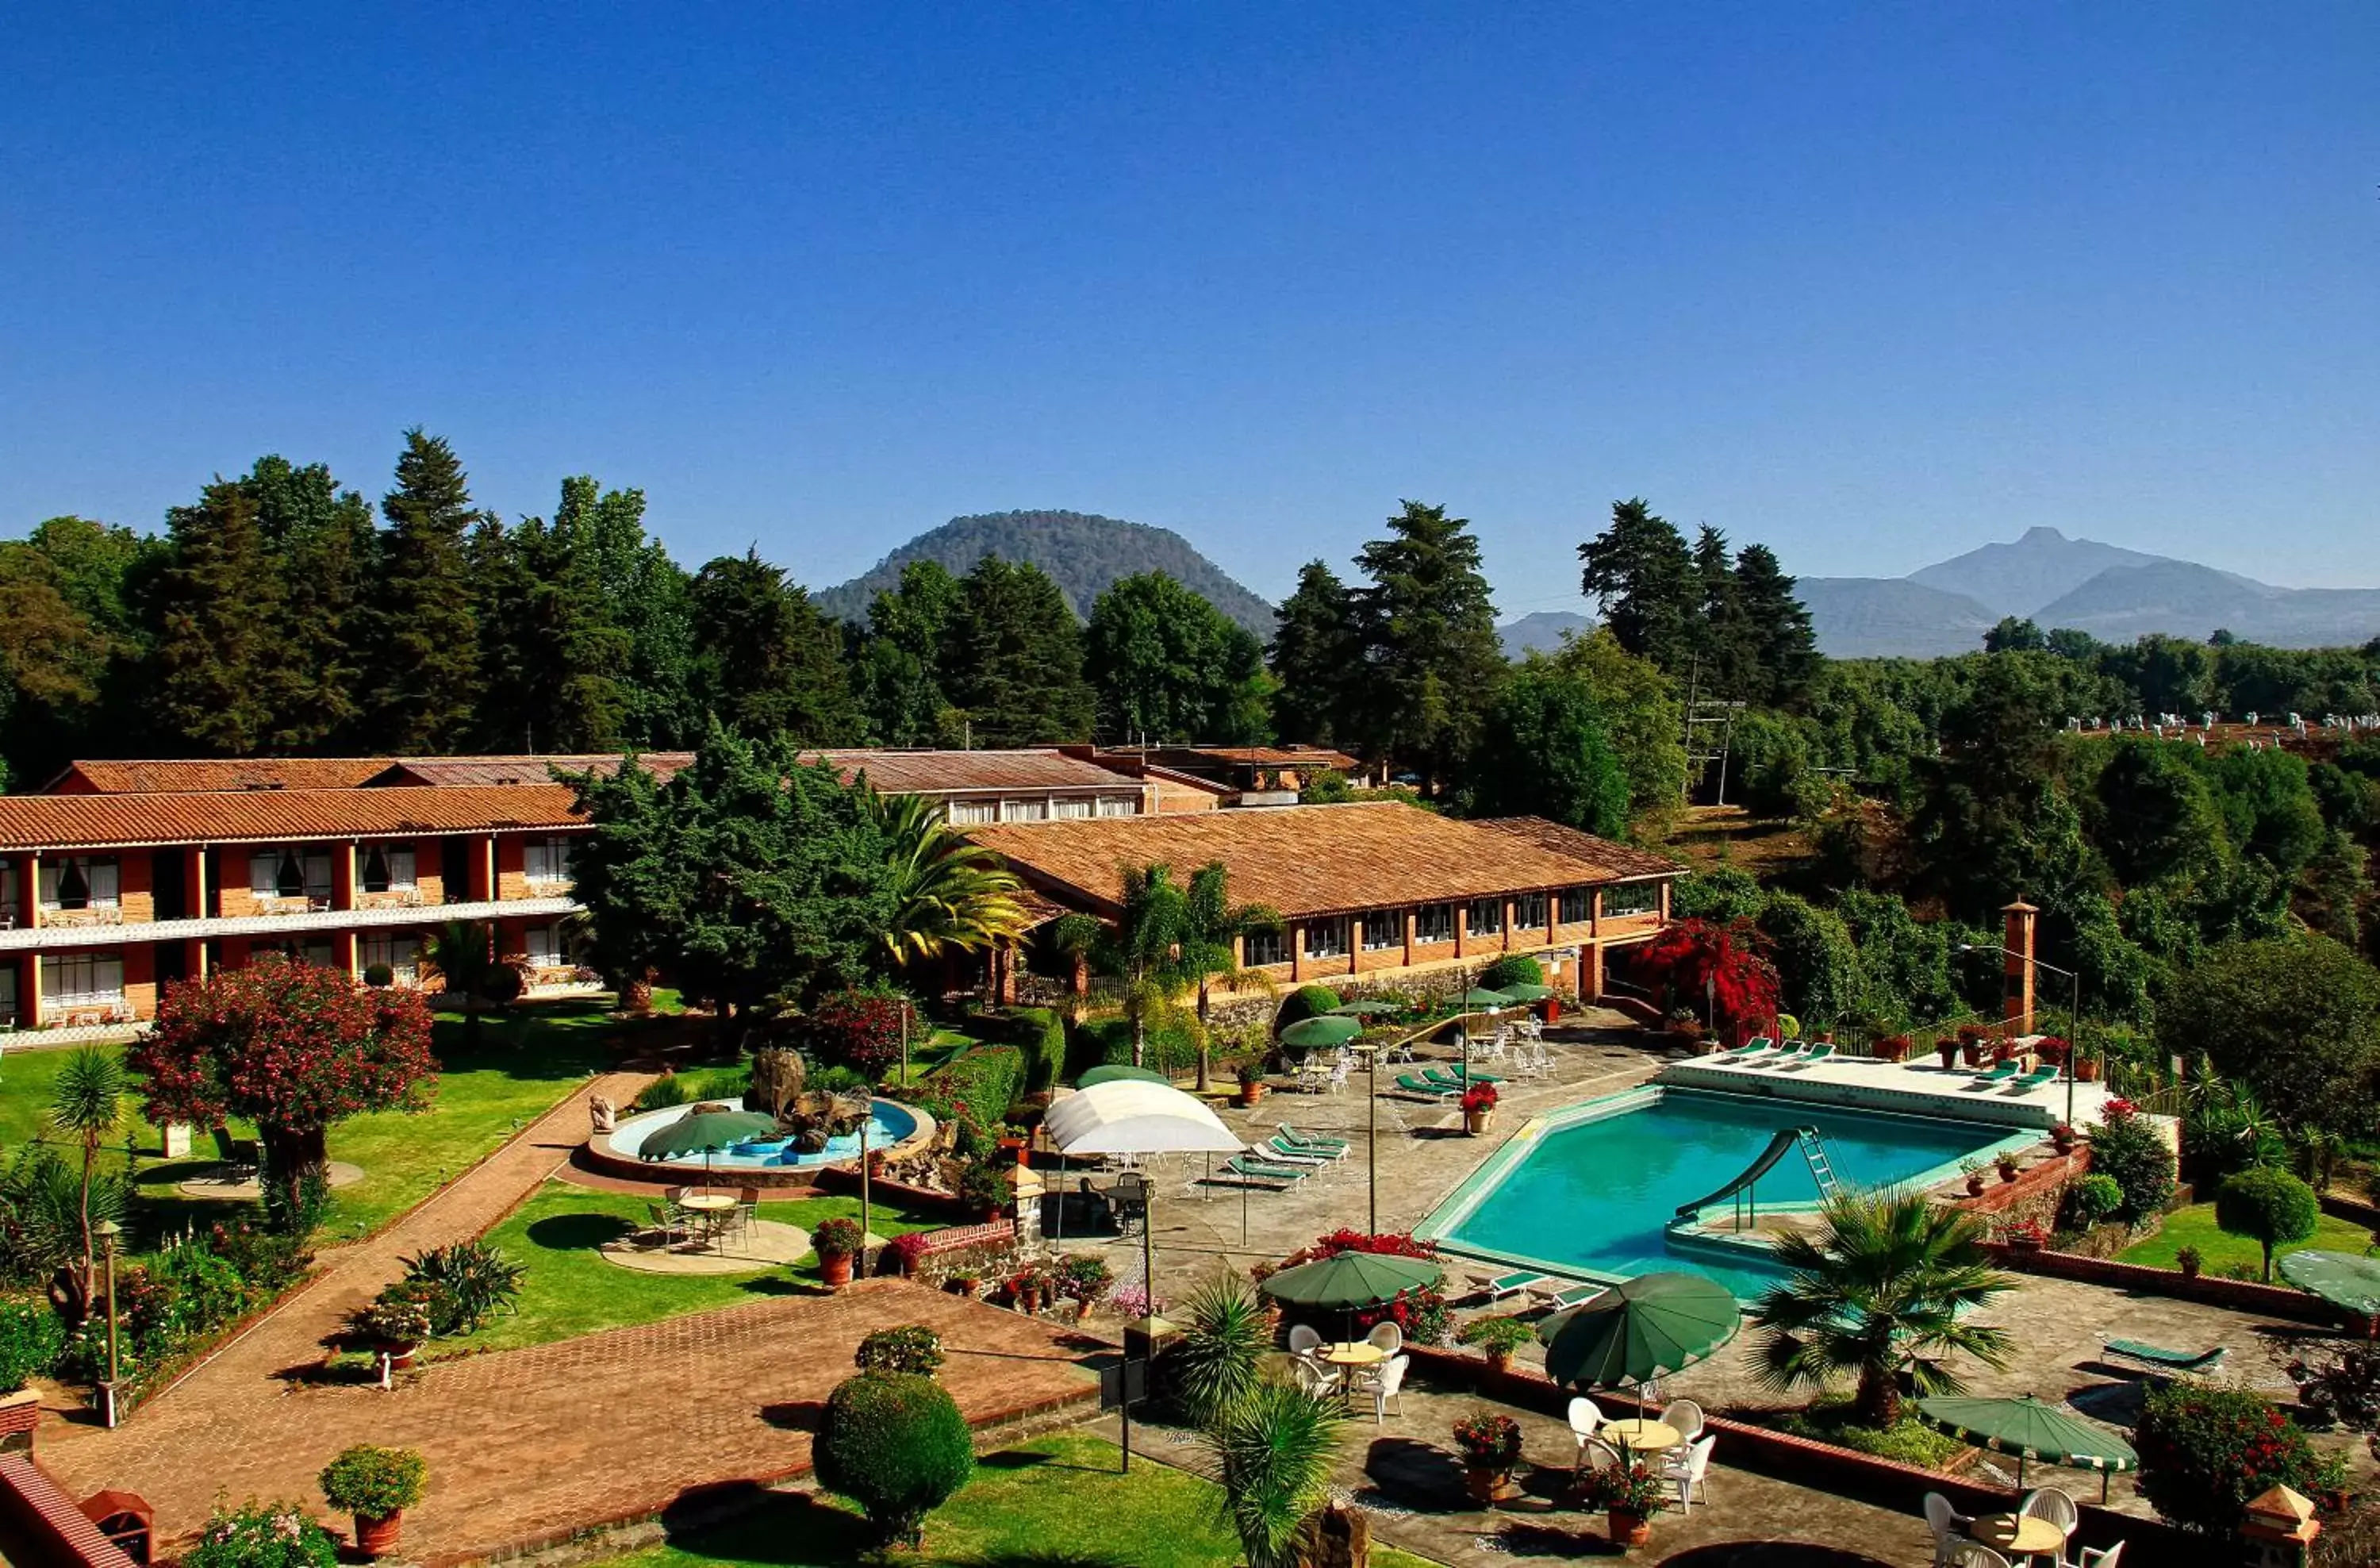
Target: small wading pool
<point>1589,1192</point>
<point>890,1125</point>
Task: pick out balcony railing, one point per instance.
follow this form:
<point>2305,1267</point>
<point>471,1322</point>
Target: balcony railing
<point>95,915</point>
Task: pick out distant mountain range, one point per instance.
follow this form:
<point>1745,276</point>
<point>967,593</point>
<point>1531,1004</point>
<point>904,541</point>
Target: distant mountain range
<point>1542,631</point>
<point>2113,593</point>
<point>1082,552</point>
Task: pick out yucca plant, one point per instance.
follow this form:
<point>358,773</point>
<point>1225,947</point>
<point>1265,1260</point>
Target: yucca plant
<point>86,1104</point>
<point>1218,1358</point>
<point>1273,1452</point>
<point>472,1280</point>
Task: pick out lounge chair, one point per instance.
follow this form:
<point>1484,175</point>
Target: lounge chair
<point>1278,1153</point>
<point>2038,1078</point>
<point>1413,1085</point>
<point>1457,1077</point>
<point>2190,1362</point>
<point>1296,1139</point>
<point>1789,1052</point>
<point>1266,1170</point>
<point>1496,1287</point>
<point>1756,1044</point>
<point>2001,1072</point>
<point>1816,1053</point>
<point>1561,1296</point>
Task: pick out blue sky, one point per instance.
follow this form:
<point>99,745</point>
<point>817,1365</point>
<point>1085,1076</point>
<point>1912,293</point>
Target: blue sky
<point>1872,284</point>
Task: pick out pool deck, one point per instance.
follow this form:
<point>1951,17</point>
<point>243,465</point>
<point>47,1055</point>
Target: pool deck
<point>1912,1089</point>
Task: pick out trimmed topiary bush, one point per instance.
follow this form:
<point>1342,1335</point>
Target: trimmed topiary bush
<point>2269,1207</point>
<point>380,976</point>
<point>1512,969</point>
<point>2204,1451</point>
<point>2124,1147</point>
<point>896,1444</point>
<point>373,1483</point>
<point>2090,1201</point>
<point>911,1348</point>
<point>1306,1002</point>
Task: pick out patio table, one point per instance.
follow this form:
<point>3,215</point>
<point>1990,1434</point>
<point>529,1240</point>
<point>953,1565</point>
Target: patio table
<point>710,1208</point>
<point>1644,1436</point>
<point>2018,1534</point>
<point>1352,1357</point>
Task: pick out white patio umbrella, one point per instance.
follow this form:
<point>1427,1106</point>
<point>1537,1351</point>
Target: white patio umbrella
<point>1127,1116</point>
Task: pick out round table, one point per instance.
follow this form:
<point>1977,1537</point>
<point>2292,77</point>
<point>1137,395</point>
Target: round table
<point>1355,1353</point>
<point>1643,1436</point>
<point>709,1207</point>
<point>2018,1534</point>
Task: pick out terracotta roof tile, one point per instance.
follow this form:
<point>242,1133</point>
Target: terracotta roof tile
<point>108,777</point>
<point>92,822</point>
<point>1618,859</point>
<point>448,773</point>
<point>941,772</point>
<point>1299,859</point>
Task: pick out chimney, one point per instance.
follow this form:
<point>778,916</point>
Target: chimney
<point>2021,920</point>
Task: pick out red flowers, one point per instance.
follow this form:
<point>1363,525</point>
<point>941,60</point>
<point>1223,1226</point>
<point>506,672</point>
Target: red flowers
<point>1701,961</point>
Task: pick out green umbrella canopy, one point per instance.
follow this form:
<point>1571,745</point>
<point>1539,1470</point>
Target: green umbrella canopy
<point>1364,1007</point>
<point>1528,991</point>
<point>1124,1072</point>
<point>705,1132</point>
<point>1311,1034</point>
<point>1352,1280</point>
<point>1635,1332</point>
<point>2030,1430</point>
<point>1479,997</point>
<point>2347,1281</point>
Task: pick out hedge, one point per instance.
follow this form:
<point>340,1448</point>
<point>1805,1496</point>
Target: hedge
<point>1040,1034</point>
<point>986,1079</point>
<point>1171,1047</point>
<point>1512,969</point>
<point>1306,1002</point>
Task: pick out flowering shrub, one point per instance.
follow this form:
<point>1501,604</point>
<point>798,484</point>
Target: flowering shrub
<point>911,1348</point>
<point>1134,1301</point>
<point>2052,1050</point>
<point>262,1534</point>
<point>1488,1441</point>
<point>858,1029</point>
<point>838,1237</point>
<point>2127,1149</point>
<point>1728,963</point>
<point>2204,1451</point>
<point>1478,1097</point>
<point>30,1341</point>
<point>1637,1489</point>
<point>373,1483</point>
<point>2024,1232</point>
<point>1424,1315</point>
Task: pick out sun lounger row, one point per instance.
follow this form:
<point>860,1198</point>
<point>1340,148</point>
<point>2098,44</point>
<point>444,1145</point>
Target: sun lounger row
<point>1762,1051</point>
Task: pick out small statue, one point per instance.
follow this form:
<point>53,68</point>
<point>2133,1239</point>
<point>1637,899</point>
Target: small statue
<point>605,1113</point>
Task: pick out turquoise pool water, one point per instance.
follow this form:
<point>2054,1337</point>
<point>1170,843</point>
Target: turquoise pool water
<point>1592,1196</point>
<point>888,1124</point>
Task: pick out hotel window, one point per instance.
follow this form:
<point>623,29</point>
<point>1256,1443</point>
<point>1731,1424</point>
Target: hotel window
<point>8,994</point>
<point>1631,898</point>
<point>401,951</point>
<point>1025,810</point>
<point>1383,929</point>
<point>81,980</point>
<point>388,867</point>
<point>1326,938</point>
<point>1529,912</point>
<point>544,946</point>
<point>1119,806</point>
<point>1483,916</point>
<point>315,951</point>
<point>1077,806</point>
<point>1577,906</point>
<point>79,882</point>
<point>1434,923</point>
<point>546,860</point>
<point>290,871</point>
<point>967,813</point>
<point>1258,948</point>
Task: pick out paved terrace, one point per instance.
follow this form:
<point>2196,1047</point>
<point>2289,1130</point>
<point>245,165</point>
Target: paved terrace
<point>1922,1087</point>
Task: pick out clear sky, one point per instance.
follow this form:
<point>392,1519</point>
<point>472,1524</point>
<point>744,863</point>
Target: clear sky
<point>1872,284</point>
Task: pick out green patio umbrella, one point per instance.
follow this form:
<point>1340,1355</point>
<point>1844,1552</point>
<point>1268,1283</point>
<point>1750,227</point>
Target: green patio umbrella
<point>1638,1329</point>
<point>1364,1007</point>
<point>1478,996</point>
<point>2030,1429</point>
<point>1120,1071</point>
<point>1352,1280</point>
<point>2347,1281</point>
<point>705,1133</point>
<point>1320,1033</point>
<point>1528,991</point>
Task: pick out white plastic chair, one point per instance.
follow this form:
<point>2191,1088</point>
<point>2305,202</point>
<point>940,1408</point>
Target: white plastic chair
<point>1690,1468</point>
<point>1540,1065</point>
<point>1303,1339</point>
<point>1585,1419</point>
<point>2054,1505</point>
<point>2093,1558</point>
<point>1387,1336</point>
<point>1975,1554</point>
<point>1385,1385</point>
<point>1686,1417</point>
<point>1949,1525</point>
<point>1313,1378</point>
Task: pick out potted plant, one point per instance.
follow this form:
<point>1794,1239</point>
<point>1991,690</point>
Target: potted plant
<point>1971,1044</point>
<point>1497,1338</point>
<point>1025,1289</point>
<point>1478,1108</point>
<point>1892,1048</point>
<point>2062,1136</point>
<point>2189,1260</point>
<point>1947,1048</point>
<point>2087,1068</point>
<point>2026,1235</point>
<point>1974,1171</point>
<point>966,1284</point>
<point>2052,1050</point>
<point>376,1485</point>
<point>1081,1278</point>
<point>1490,1446</point>
<point>392,1324</point>
<point>1252,1085</point>
<point>1630,1492</point>
<point>2009,1166</point>
<point>838,1242</point>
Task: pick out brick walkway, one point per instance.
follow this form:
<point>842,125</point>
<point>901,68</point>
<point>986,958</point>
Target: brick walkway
<point>534,1442</point>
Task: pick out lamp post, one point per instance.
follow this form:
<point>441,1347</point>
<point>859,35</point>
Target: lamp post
<point>109,1230</point>
<point>2073,1012</point>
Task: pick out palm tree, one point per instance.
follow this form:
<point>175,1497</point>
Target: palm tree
<point>1273,1452</point>
<point>1218,1361</point>
<point>462,954</point>
<point>952,894</point>
<point>1881,1291</point>
<point>1211,927</point>
<point>1143,949</point>
<point>86,1104</point>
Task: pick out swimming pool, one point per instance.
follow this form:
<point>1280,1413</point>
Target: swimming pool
<point>890,1125</point>
<point>1589,1191</point>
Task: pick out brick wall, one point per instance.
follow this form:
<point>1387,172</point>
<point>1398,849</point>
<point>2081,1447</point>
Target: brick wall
<point>2244,1295</point>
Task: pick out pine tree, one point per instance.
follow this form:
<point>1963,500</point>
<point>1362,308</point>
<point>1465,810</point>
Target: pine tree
<point>1013,661</point>
<point>1168,665</point>
<point>766,661</point>
<point>647,597</point>
<point>321,540</point>
<point>1317,657</point>
<point>1723,663</point>
<point>1777,624</point>
<point>423,670</point>
<point>1642,577</point>
<point>1434,661</point>
<point>897,663</point>
<point>221,671</point>
<point>553,656</point>
<point>505,715</point>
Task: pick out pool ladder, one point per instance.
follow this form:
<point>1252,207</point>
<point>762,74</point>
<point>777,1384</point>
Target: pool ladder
<point>1822,1170</point>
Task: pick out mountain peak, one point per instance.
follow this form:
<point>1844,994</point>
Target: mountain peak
<point>2042,533</point>
<point>2038,568</point>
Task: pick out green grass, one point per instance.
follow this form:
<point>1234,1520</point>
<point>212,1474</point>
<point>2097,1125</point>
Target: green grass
<point>1057,1502</point>
<point>570,1290</point>
<point>2194,1226</point>
<point>1829,1419</point>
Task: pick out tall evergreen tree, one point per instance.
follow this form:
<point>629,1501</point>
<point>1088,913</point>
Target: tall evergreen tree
<point>897,661</point>
<point>649,598</point>
<point>1317,656</point>
<point>552,653</point>
<point>222,673</point>
<point>1642,577</point>
<point>1014,658</point>
<point>1168,665</point>
<point>1783,648</point>
<point>1543,752</point>
<point>423,671</point>
<point>321,542</point>
<point>766,661</point>
<point>1724,664</point>
<point>1434,658</point>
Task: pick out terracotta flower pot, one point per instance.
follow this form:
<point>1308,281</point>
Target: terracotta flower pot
<point>1976,1185</point>
<point>1487,1486</point>
<point>1500,1360</point>
<point>1250,1094</point>
<point>2086,1069</point>
<point>1949,1053</point>
<point>1630,1529</point>
<point>1477,1121</point>
<point>835,1269</point>
<point>378,1537</point>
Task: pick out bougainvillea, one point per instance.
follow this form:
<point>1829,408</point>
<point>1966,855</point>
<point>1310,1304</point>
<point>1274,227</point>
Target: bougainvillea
<point>1725,965</point>
<point>291,1047</point>
<point>858,1029</point>
<point>2204,1451</point>
<point>1424,1315</point>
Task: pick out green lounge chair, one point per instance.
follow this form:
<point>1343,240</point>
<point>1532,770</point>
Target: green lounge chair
<point>1573,1293</point>
<point>1287,1154</point>
<point>1297,1139</point>
<point>1756,1044</point>
<point>1496,1287</point>
<point>1456,1079</point>
<point>2035,1079</point>
<point>1789,1052</point>
<point>1818,1053</point>
<point>2194,1362</point>
<point>1413,1085</point>
<point>2001,1073</point>
<point>1265,1170</point>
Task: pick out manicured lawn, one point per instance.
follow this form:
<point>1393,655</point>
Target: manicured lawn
<point>570,1290</point>
<point>2194,1226</point>
<point>1056,1501</point>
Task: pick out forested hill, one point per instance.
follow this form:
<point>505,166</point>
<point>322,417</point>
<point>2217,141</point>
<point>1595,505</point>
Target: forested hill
<point>1084,553</point>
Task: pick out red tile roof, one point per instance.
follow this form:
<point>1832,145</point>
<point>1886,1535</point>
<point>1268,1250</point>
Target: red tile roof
<point>1301,859</point>
<point>946,772</point>
<point>1618,860</point>
<point>95,822</point>
<point>107,776</point>
<point>448,773</point>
